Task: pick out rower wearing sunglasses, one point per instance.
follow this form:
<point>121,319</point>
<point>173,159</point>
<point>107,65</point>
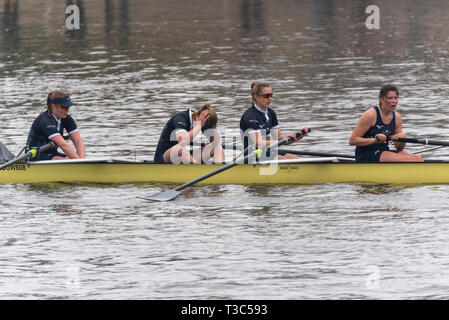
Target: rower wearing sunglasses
<point>179,132</point>
<point>259,125</point>
<point>49,126</point>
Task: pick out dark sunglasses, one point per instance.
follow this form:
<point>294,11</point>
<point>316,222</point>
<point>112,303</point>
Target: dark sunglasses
<point>64,108</point>
<point>266,95</point>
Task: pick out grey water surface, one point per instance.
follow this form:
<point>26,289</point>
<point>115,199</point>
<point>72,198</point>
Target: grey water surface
<point>132,64</point>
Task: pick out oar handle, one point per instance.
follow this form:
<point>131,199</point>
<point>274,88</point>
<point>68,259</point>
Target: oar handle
<point>289,138</point>
<point>303,132</point>
<point>223,145</point>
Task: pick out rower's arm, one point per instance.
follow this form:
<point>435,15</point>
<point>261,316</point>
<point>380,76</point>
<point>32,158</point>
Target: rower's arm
<point>79,144</point>
<point>185,137</point>
<point>65,147</point>
<point>398,133</point>
<point>366,121</point>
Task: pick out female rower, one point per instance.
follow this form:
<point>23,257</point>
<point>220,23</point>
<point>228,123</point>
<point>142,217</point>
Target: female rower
<point>50,125</point>
<point>259,125</point>
<point>376,126</point>
<point>180,131</point>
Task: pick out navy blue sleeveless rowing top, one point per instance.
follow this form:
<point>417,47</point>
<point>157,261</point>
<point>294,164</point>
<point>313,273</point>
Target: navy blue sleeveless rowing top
<point>379,127</point>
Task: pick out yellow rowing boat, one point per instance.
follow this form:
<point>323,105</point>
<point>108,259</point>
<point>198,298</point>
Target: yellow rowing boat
<point>301,171</point>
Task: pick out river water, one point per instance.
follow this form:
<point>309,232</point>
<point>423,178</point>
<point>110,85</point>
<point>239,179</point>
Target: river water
<point>133,64</point>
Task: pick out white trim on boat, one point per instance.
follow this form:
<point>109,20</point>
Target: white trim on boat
<point>111,160</point>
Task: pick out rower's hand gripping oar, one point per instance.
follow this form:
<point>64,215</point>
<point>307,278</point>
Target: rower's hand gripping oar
<point>173,193</point>
<point>420,141</point>
<point>30,154</point>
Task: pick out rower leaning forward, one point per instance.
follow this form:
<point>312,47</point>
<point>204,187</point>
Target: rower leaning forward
<point>49,126</point>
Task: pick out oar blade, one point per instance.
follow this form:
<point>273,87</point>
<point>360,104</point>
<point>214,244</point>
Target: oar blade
<point>163,196</point>
<point>5,154</point>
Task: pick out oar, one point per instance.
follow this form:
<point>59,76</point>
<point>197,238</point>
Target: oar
<point>223,145</point>
<point>428,149</point>
<point>421,141</point>
<point>304,153</point>
<point>30,154</point>
<point>5,154</point>
<point>318,154</point>
<point>173,193</point>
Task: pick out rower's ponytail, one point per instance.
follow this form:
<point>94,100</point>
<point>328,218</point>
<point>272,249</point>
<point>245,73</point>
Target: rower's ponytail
<point>48,102</point>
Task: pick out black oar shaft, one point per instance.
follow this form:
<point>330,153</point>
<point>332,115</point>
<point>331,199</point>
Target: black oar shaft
<point>317,154</point>
<point>210,174</point>
<point>224,146</point>
<point>292,151</point>
<point>421,141</point>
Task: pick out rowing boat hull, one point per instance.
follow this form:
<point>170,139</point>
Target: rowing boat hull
<point>285,173</point>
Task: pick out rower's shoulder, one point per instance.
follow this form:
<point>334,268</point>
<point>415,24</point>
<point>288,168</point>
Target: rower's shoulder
<point>180,115</point>
<point>248,111</point>
<point>397,116</point>
<point>368,118</point>
<point>370,113</point>
<point>44,116</point>
<point>250,108</point>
